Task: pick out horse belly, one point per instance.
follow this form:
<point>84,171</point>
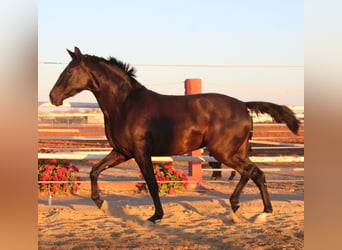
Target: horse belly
<point>178,143</point>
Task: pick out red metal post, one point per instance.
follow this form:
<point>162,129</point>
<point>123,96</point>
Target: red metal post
<point>194,86</point>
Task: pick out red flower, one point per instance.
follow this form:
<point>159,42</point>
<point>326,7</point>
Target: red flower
<point>74,168</point>
<point>61,170</point>
<point>62,177</point>
<point>52,170</point>
<point>53,162</point>
<point>168,165</point>
<point>47,167</point>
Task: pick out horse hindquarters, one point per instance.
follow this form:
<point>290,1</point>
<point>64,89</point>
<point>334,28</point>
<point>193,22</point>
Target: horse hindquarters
<point>233,152</point>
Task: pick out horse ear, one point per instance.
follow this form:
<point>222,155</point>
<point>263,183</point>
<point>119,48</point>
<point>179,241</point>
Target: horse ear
<point>72,54</point>
<point>78,53</point>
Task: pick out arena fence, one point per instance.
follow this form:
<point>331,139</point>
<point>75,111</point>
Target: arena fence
<point>100,153</point>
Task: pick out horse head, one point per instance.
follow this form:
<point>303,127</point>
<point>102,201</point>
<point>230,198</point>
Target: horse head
<point>73,79</point>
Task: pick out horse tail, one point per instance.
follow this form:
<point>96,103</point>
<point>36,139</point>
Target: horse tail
<point>280,113</point>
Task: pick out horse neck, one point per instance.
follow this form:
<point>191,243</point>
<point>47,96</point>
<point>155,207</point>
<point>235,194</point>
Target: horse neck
<point>113,93</point>
<point>109,101</point>
<point>114,86</point>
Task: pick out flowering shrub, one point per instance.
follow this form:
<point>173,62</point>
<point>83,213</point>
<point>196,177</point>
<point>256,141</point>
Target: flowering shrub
<point>167,172</point>
<point>53,170</point>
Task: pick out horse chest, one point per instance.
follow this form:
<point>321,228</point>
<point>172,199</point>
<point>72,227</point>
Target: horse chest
<point>115,135</point>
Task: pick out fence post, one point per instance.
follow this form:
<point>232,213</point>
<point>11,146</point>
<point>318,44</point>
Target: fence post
<point>194,86</point>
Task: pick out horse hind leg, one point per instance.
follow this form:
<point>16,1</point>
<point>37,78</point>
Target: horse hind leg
<point>248,170</point>
<point>258,177</point>
<point>251,171</point>
<point>235,197</point>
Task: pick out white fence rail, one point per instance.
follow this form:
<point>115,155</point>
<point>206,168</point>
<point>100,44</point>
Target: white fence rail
<point>83,155</point>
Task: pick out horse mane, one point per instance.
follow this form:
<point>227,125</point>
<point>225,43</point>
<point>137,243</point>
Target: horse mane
<point>130,71</point>
<point>125,67</point>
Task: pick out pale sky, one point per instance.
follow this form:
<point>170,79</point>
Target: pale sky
<point>193,32</point>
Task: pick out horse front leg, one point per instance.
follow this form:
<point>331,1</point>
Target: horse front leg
<point>112,159</point>
<point>146,167</point>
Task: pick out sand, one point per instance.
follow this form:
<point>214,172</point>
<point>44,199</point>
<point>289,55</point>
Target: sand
<point>194,219</point>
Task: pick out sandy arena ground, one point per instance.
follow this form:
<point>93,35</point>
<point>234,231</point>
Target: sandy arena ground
<point>194,219</point>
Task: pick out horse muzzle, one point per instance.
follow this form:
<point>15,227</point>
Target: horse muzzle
<point>54,99</point>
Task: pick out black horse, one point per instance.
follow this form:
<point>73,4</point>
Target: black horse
<point>140,123</point>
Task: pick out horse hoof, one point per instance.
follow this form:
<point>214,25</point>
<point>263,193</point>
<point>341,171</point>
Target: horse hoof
<point>157,221</point>
<point>105,207</point>
<point>154,219</point>
<point>261,218</point>
<point>98,202</point>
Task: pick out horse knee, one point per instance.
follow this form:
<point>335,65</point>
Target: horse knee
<point>258,176</point>
<point>93,174</point>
